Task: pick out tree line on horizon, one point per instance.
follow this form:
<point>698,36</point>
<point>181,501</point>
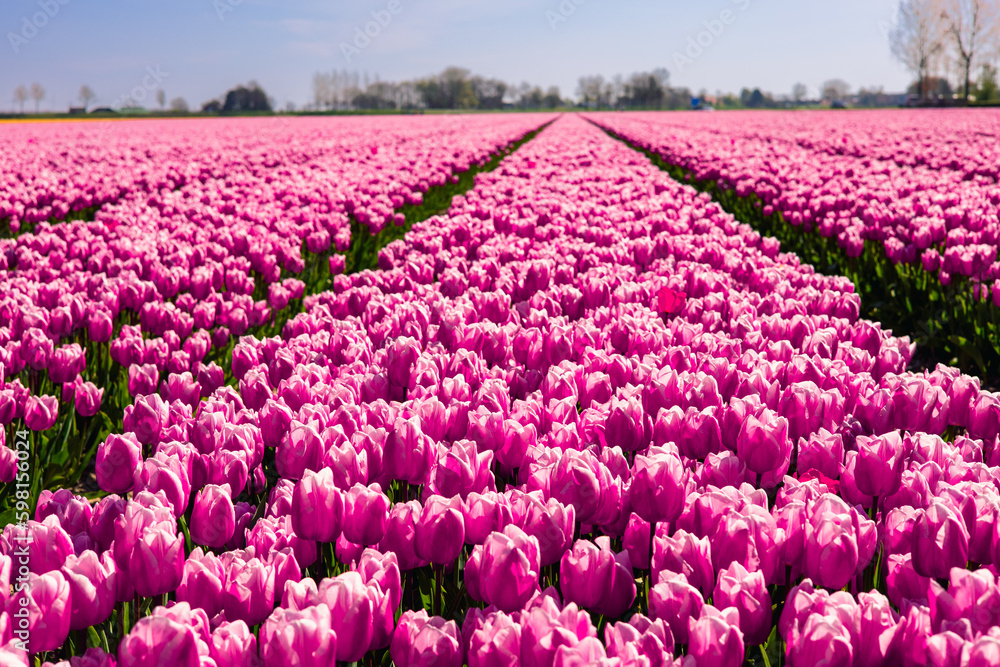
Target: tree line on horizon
<point>458,88</point>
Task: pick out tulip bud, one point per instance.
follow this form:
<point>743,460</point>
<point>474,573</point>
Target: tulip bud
<point>214,518</point>
<point>233,645</point>
<point>508,569</point>
<point>41,412</point>
<point>366,510</point>
<point>419,640</point>
<point>440,530</point>
<point>87,399</point>
<point>746,592</point>
<point>156,563</point>
<point>317,507</point>
<point>716,639</point>
<point>351,613</point>
<point>117,459</point>
<point>763,444</point>
<point>940,541</point>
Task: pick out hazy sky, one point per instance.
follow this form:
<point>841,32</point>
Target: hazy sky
<point>199,48</point>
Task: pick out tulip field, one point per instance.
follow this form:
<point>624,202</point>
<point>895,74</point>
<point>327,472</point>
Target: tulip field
<point>904,203</point>
<point>496,390</point>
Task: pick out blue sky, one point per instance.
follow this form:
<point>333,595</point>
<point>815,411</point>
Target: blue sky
<point>199,48</point>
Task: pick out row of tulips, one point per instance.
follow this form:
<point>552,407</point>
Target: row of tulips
<point>96,313</point>
<point>585,405</point>
<point>914,228</point>
<point>52,172</point>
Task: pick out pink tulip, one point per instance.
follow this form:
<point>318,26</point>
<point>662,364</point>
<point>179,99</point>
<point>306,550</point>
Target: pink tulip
<point>41,412</point>
<point>156,563</point>
<point>746,592</point>
<point>366,510</point>
<point>213,521</point>
<point>657,490</point>
<point>508,569</point>
<point>201,582</point>
<point>233,645</point>
<point>715,638</point>
<point>351,614</point>
<point>440,530</point>
<point>93,585</point>
<point>940,541</point>
<point>420,640</point>
<point>317,507</point>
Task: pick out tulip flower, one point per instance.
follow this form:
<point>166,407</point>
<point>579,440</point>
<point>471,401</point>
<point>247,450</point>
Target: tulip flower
<point>49,603</point>
<point>940,541</point>
<point>820,639</point>
<point>879,464</point>
<point>440,530</point>
<point>146,418</point>
<point>317,507</point>
<point>763,444</point>
<point>497,642</point>
<point>508,568</point>
<point>640,637</point>
<point>202,582</point>
<point>213,521</point>
<point>420,640</point>
<point>674,601</point>
<point>156,563</point>
<point>87,399</point>
<point>93,585</point>
<point>233,645</point>
<point>248,591</point>
<point>746,592</point>
<point>351,612</point>
<point>715,638</point>
<point>657,490</point>
<point>366,510</point>
<point>41,412</point>
<point>683,553</point>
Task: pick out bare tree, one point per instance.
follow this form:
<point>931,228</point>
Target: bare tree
<point>179,105</point>
<point>37,94</point>
<point>86,95</point>
<point>917,38</point>
<point>591,89</point>
<point>322,90</point>
<point>835,89</point>
<point>972,26</point>
<point>21,96</point>
<point>799,92</point>
<point>161,98</point>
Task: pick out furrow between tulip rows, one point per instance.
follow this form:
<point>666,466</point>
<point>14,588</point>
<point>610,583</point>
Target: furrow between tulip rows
<point>584,417</point>
<point>919,241</point>
<point>106,311</point>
